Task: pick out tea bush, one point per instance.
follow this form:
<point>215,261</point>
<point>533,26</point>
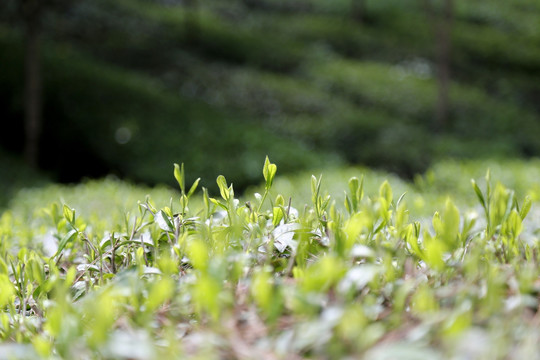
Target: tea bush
<point>270,276</point>
<point>85,112</point>
<point>304,75</point>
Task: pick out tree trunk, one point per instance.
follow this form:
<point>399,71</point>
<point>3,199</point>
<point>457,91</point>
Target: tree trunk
<point>192,25</point>
<point>444,47</point>
<point>31,13</point>
<point>441,18</point>
<point>358,10</point>
<point>33,94</point>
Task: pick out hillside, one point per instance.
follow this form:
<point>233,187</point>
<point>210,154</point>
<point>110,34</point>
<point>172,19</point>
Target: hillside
<point>135,85</point>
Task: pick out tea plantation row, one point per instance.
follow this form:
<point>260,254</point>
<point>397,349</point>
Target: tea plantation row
<point>373,275</point>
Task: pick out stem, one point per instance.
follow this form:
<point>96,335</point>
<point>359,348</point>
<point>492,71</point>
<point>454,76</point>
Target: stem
<point>113,254</point>
<point>266,190</point>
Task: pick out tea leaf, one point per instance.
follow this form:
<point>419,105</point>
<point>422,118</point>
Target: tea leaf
<point>222,184</point>
<point>179,176</point>
<point>269,172</point>
<point>69,214</point>
<point>65,240</point>
<point>193,187</point>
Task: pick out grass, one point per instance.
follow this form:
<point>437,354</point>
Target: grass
<point>87,272</point>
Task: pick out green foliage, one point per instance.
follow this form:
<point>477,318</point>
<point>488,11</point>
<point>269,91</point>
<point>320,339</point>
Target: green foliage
<point>302,81</point>
<point>222,277</point>
<point>76,97</point>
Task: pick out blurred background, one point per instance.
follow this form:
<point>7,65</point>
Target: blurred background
<point>129,87</point>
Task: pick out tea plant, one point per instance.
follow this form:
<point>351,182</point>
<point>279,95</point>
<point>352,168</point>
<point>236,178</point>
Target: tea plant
<point>214,277</point>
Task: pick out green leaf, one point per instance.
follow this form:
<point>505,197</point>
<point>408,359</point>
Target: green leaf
<point>380,226</point>
<point>35,271</point>
<point>315,185</point>
<point>424,300</point>
<point>479,194</point>
<point>457,323</point>
<point>3,267</point>
<point>500,205</point>
<point>265,168</point>
<point>400,199</point>
<point>206,201</point>
<point>218,203</point>
<point>54,212</point>
<point>160,292</point>
<point>326,201</point>
<point>348,204</point>
<point>450,230</point>
<point>179,175</point>
<point>198,254</point>
<point>193,187</point>
<point>231,192</point>
<point>488,180</point>
<point>280,201</point>
<point>277,215</point>
<point>385,191</point>
<point>357,192</point>
<point>384,210</point>
<point>433,251</point>
<point>525,208</point>
<point>515,224</point>
<point>184,201</point>
<point>7,290</point>
<point>222,184</point>
<point>353,185</point>
<point>269,172</point>
<point>65,240</point>
<point>69,214</point>
<point>360,191</point>
<point>163,221</point>
<point>261,290</point>
<point>411,237</point>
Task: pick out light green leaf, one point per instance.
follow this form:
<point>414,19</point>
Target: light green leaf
<point>223,190</point>
<point>277,215</point>
<point>69,214</point>
<point>65,240</point>
<point>193,187</point>
<point>218,203</point>
<point>179,175</point>
<point>198,254</point>
<point>348,204</point>
<point>269,172</point>
<point>450,230</point>
<point>525,208</point>
<point>353,185</point>
<point>280,201</point>
<point>7,290</point>
<point>385,191</point>
<point>479,194</point>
